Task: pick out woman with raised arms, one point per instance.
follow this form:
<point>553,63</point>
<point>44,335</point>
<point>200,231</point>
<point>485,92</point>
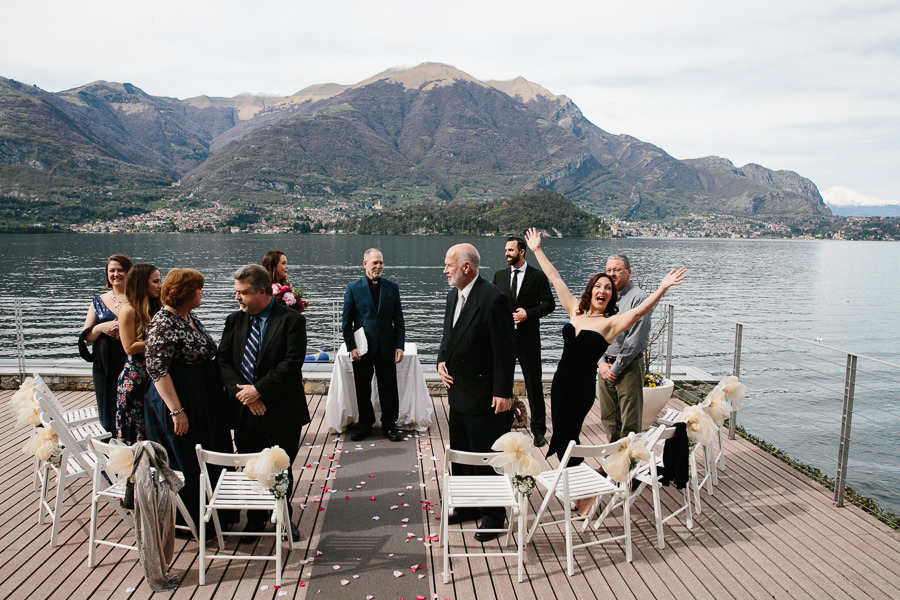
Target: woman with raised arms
<point>594,323</point>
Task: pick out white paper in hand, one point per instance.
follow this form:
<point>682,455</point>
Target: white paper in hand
<point>359,336</point>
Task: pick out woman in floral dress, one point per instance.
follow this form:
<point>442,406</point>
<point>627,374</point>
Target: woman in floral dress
<point>142,288</point>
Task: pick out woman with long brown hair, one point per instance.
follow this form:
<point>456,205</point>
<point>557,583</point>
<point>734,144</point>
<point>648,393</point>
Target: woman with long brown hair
<point>594,323</point>
<point>142,289</point>
<point>275,263</point>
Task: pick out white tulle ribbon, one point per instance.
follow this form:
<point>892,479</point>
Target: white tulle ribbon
<point>44,445</point>
<point>269,470</point>
<point>515,454</point>
<point>632,450</point>
<point>701,429</point>
<point>24,406</point>
<point>121,461</point>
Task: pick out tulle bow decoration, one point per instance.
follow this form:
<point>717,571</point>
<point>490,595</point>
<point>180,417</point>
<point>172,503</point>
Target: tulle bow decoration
<point>733,390</point>
<point>701,429</point>
<point>632,450</point>
<point>269,470</point>
<point>121,461</point>
<point>515,453</point>
<point>717,406</point>
<point>23,405</point>
<point>43,445</point>
<point>725,397</point>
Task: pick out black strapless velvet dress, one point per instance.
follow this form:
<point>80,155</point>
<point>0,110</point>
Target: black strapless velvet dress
<point>574,387</point>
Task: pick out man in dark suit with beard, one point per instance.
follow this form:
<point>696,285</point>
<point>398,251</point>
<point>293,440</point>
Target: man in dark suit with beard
<point>261,359</point>
<point>530,299</point>
<point>476,361</point>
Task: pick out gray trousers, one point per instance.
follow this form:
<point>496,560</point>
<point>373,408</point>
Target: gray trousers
<point>622,402</point>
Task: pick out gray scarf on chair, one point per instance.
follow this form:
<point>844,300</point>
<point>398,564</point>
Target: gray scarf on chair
<point>155,487</point>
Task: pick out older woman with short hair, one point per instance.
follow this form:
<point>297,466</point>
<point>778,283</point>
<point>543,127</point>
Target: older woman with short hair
<point>186,403</point>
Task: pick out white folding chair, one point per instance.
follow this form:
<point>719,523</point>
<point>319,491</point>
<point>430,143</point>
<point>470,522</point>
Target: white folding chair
<point>647,475</point>
<point>569,484</point>
<point>236,491</point>
<point>711,456</point>
<point>74,417</point>
<point>110,487</point>
<point>76,462</point>
<point>479,491</point>
<point>80,423</point>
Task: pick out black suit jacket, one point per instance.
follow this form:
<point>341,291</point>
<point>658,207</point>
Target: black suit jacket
<point>534,296</point>
<point>279,364</point>
<point>480,350</point>
<point>385,329</point>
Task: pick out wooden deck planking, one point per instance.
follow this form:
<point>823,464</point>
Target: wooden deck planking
<point>767,532</point>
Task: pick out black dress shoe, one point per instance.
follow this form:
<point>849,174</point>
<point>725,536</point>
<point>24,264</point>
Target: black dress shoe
<point>486,536</point>
<point>360,433</point>
<point>394,435</point>
<point>539,440</point>
<point>462,515</point>
<point>295,533</point>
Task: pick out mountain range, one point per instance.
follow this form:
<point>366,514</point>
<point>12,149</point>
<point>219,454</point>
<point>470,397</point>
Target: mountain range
<point>430,133</point>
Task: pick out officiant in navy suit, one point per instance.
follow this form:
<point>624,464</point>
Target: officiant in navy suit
<point>261,360</point>
<point>373,304</point>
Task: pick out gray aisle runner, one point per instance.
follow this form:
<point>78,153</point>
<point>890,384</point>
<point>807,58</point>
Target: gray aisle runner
<point>373,535</point>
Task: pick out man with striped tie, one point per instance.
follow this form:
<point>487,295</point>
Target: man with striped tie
<point>261,356</point>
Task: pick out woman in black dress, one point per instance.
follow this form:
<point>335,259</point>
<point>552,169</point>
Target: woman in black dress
<point>186,404</point>
<point>101,329</point>
<point>593,325</point>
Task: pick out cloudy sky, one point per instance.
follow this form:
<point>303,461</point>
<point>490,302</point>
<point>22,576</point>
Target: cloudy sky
<point>811,86</point>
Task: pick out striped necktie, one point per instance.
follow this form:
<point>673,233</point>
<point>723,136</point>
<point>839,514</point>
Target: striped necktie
<point>248,362</point>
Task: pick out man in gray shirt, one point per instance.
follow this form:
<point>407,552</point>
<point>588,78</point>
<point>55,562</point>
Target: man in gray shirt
<point>621,382</point>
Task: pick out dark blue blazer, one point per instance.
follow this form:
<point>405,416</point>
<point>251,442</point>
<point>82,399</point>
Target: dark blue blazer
<point>385,328</point>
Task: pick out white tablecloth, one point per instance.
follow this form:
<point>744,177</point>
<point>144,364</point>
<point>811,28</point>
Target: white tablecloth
<point>416,409</point>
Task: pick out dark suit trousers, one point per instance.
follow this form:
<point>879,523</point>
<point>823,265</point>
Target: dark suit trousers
<point>255,439</point>
<point>477,433</point>
<point>386,375</point>
<point>532,371</point>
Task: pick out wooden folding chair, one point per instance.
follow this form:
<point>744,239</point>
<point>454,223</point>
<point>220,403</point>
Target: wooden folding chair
<point>569,484</point>
<point>74,417</point>
<point>83,423</point>
<point>235,491</point>
<point>647,475</point>
<point>110,487</point>
<point>479,491</point>
<point>711,457</point>
<point>76,462</point>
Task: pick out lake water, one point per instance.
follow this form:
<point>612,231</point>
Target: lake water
<point>842,293</point>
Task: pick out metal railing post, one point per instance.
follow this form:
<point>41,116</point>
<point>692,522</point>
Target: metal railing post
<point>671,327</point>
<point>840,477</point>
<point>736,371</point>
<point>20,341</point>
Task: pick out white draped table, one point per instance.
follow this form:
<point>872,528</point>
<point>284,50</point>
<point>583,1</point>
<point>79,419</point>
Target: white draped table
<point>416,409</point>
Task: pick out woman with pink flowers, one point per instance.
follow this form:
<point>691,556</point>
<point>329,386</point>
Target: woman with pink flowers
<point>275,262</point>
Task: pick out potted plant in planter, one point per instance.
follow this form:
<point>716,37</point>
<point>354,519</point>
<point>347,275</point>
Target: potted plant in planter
<point>657,391</point>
